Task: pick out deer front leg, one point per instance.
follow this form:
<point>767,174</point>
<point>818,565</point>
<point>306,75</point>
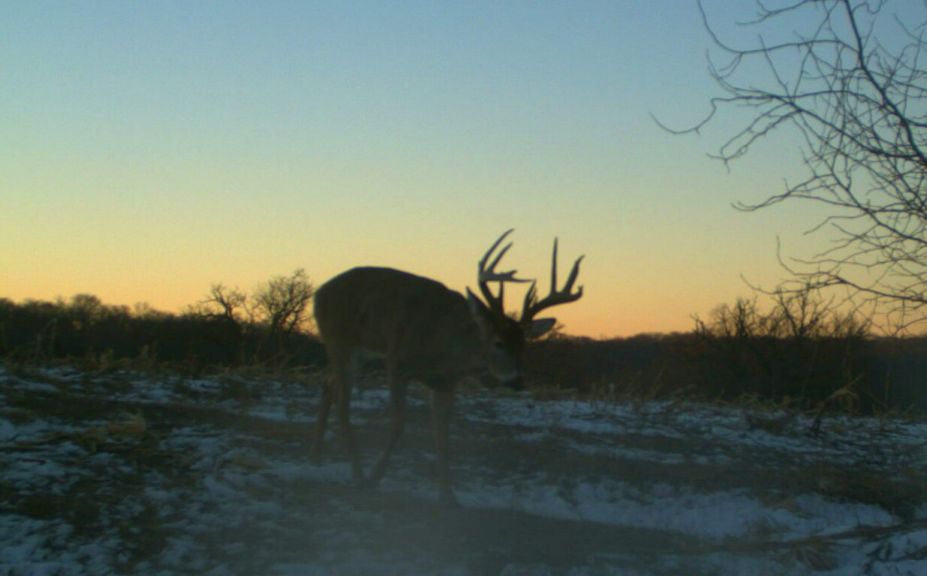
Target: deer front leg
<point>325,406</point>
<point>397,408</point>
<point>341,388</point>
<point>442,408</point>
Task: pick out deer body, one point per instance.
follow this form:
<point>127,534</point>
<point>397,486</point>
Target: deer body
<point>424,327</point>
<point>424,332</point>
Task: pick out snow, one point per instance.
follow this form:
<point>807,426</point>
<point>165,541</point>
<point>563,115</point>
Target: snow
<point>221,483</point>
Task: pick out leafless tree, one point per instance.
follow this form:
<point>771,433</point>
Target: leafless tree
<point>791,313</point>
<point>852,83</point>
<point>283,303</point>
<point>224,302</point>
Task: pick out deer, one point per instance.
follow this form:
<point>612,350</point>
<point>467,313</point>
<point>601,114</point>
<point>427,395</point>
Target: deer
<point>428,333</point>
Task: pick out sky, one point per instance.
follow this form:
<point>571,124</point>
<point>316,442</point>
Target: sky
<point>152,149</point>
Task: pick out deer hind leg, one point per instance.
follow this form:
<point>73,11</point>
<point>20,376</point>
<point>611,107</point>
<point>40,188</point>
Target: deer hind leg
<point>442,408</point>
<point>397,408</point>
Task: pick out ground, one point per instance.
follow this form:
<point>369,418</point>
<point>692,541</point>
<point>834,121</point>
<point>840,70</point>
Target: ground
<point>145,473</point>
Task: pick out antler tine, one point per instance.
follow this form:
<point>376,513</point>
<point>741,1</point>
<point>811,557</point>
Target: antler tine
<point>487,273</point>
<point>553,267</point>
<point>531,297</point>
<point>556,296</point>
<point>574,274</point>
<point>491,273</point>
<point>493,249</point>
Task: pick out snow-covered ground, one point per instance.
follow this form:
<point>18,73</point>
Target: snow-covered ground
<point>146,474</point>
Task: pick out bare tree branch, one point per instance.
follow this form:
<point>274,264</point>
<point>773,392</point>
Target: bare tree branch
<point>853,88</point>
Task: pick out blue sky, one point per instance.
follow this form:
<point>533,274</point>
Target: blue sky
<point>154,148</point>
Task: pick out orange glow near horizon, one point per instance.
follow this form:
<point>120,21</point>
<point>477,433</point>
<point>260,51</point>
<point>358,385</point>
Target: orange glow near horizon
<point>607,309</point>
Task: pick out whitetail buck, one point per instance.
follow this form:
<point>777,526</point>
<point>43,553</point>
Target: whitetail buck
<point>428,333</point>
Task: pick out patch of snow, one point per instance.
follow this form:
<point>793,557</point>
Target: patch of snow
<point>238,483</point>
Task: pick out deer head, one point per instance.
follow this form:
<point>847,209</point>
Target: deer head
<point>505,336</point>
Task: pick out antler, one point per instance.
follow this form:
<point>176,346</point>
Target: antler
<point>487,274</point>
<point>532,305</point>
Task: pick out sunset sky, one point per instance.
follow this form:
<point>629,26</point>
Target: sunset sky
<point>151,149</point>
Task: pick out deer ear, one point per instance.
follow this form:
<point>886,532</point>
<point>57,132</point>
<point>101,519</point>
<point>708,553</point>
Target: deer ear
<point>541,326</point>
<point>479,311</point>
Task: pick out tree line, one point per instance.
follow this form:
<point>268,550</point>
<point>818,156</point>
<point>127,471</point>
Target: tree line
<point>791,348</point>
<point>226,328</point>
<point>788,347</point>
